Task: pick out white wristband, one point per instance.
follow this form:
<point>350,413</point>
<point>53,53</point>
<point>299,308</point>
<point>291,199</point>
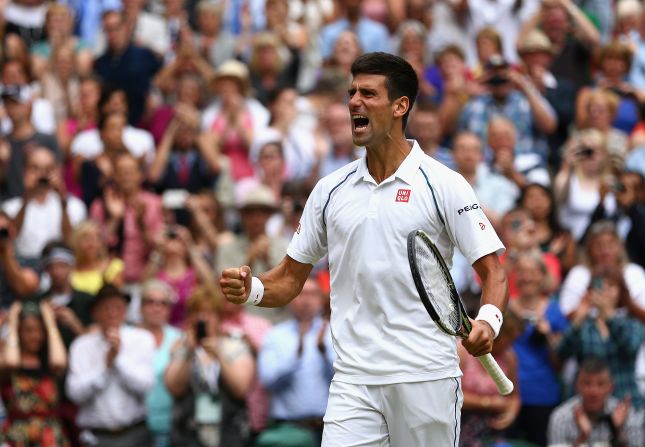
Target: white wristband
<point>257,292</point>
<point>491,315</point>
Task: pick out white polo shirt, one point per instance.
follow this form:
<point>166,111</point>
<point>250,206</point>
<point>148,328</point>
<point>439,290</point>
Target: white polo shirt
<point>381,332</point>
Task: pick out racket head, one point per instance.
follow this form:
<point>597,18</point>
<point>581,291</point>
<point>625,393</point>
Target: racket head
<point>435,286</point>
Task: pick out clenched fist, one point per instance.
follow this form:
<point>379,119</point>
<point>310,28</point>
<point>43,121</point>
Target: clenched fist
<point>236,284</point>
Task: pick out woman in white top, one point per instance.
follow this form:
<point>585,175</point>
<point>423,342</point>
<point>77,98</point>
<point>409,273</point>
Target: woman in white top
<point>582,181</point>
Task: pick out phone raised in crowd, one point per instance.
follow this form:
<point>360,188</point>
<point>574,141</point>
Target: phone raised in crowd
<point>200,330</point>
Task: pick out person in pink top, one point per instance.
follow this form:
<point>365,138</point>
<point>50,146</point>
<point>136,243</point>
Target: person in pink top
<point>131,217</point>
<point>234,319</point>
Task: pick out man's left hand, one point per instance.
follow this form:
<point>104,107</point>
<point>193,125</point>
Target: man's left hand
<point>480,339</point>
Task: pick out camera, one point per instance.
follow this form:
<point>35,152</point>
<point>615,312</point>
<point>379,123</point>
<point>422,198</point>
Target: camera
<point>586,152</point>
<point>497,80</point>
<point>200,330</point>
<point>4,233</point>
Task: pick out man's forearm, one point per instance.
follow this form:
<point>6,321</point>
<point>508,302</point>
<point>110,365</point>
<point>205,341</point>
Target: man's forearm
<point>284,282</point>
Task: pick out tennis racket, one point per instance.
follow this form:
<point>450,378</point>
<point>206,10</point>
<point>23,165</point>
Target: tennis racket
<point>440,298</point>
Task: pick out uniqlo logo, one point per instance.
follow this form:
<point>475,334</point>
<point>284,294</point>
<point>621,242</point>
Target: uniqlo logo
<point>403,195</point>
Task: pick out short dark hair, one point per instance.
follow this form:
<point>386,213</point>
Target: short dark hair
<point>400,78</point>
<point>593,365</point>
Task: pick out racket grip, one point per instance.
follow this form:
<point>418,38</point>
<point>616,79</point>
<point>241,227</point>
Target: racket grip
<point>504,385</point>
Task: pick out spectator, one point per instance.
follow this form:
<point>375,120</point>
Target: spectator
<point>23,136</point>
<point>71,307</point>
<point>130,217</point>
<point>254,246</point>
<point>16,281</point>
<point>179,263</point>
<point>33,356</point>
<point>347,48</point>
<point>486,415</point>
<point>110,373</point>
<point>59,27</point>
<point>337,131</point>
<point>537,53</point>
<point>267,153</point>
<point>519,169</point>
<point>186,158</point>
<point>373,36</point>
<point>207,223</point>
<point>44,200</point>
<point>539,201</point>
<point>597,330</point>
<point>585,167</point>
<point>496,194</point>
<point>126,65</point>
<point>425,127</point>
<point>213,368</point>
<point>512,95</point>
<point>538,378</point>
<point>234,117</point>
<point>157,300</point>
<point>598,109</point>
<point>25,20</point>
<point>593,416</point>
<point>295,365</point>
<point>212,42</point>
<point>411,44</point>
<point>94,265</point>
<point>60,81</point>
<point>632,202</point>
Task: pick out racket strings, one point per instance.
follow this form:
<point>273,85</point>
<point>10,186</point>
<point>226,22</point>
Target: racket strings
<point>437,288</point>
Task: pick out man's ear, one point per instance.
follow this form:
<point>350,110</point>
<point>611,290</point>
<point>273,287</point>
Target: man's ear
<point>401,106</point>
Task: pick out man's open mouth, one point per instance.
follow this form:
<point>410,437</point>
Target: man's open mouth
<point>360,121</point>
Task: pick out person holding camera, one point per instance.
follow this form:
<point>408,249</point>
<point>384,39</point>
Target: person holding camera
<point>209,375</point>
<point>512,95</point>
<point>45,199</point>
<point>586,166</point>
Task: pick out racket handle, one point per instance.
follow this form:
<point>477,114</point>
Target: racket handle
<point>504,385</point>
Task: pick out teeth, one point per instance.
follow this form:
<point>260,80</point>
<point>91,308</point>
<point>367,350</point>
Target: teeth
<point>358,116</point>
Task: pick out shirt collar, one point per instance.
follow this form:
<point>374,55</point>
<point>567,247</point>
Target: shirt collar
<point>406,170</point>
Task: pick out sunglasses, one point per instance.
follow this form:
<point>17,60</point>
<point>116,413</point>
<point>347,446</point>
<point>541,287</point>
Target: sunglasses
<point>157,302</point>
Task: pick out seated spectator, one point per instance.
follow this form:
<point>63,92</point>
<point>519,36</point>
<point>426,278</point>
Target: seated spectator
<point>130,217</point>
<point>32,359</point>
<point>94,265</point>
<point>597,330</point>
<point>177,262</point>
<point>486,414</point>
<point>593,416</point>
<point>186,158</point>
<point>538,379</point>
<point>16,281</point>
<point>539,201</point>
<point>156,302</point>
<point>234,117</point>
<point>212,42</point>
<point>23,135</point>
<point>586,165</point>
<point>346,49</point>
<point>209,375</point>
<point>296,366</point>
<point>496,194</point>
<point>110,373</point>
<point>45,199</point>
<point>425,127</point>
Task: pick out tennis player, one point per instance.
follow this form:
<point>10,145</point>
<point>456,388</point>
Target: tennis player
<point>397,379</point>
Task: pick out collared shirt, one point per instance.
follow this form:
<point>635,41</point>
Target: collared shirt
<point>563,429</point>
<point>299,384</point>
<point>380,329</point>
<point>111,398</point>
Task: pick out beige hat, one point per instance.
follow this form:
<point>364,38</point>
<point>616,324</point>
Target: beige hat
<point>258,196</point>
<point>236,70</point>
<point>533,41</point>
<point>626,8</point>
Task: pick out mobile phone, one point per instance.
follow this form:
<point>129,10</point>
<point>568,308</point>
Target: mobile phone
<point>200,330</point>
<point>596,283</point>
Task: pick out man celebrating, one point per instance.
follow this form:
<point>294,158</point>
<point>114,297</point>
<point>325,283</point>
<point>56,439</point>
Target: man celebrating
<point>396,375</point>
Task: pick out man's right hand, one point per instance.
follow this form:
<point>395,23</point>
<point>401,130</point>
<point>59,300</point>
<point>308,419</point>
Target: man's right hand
<point>236,284</point>
<point>114,342</point>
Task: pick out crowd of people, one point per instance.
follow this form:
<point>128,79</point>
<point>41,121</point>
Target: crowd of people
<point>146,145</point>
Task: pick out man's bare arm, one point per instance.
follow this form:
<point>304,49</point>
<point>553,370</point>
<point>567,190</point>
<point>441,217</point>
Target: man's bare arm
<point>281,284</point>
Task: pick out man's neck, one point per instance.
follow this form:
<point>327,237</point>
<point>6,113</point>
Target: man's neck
<point>471,177</point>
<point>61,289</point>
<point>384,160</point>
<point>23,131</point>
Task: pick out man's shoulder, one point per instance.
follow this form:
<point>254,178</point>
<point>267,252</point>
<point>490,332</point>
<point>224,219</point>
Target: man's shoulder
<point>85,342</point>
<point>564,411</point>
<point>137,336</point>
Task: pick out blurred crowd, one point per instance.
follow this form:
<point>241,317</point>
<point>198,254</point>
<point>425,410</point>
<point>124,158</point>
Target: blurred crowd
<point>146,145</point>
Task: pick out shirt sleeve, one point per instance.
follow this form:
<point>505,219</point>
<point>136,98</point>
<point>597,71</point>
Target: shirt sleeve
<point>309,242</point>
<point>278,361</point>
<point>84,380</point>
<point>134,364</point>
<point>467,225</point>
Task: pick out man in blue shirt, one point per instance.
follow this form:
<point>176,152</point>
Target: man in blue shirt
<point>126,66</point>
<point>295,363</point>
